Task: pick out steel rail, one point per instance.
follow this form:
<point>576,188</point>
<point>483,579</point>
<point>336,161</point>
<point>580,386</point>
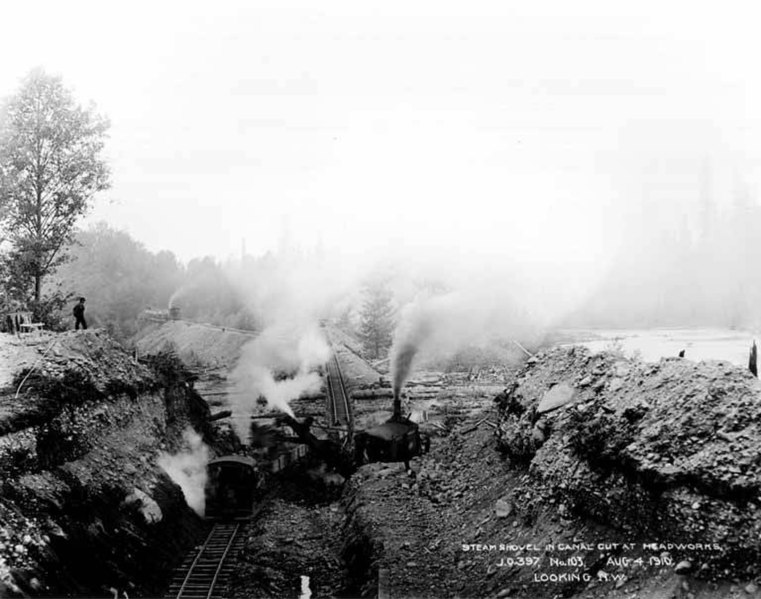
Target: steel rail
<point>339,405</point>
<point>199,581</point>
<point>222,561</point>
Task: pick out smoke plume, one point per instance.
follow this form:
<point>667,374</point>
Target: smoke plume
<point>188,469</point>
<point>438,326</point>
<point>414,330</point>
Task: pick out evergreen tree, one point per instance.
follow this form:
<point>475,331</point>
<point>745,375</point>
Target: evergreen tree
<point>377,319</point>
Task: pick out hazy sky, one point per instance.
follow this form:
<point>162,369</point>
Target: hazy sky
<point>522,129</point>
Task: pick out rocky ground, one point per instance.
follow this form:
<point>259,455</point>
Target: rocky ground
<point>460,531</point>
<point>298,533</point>
<point>667,450</point>
<point>17,352</point>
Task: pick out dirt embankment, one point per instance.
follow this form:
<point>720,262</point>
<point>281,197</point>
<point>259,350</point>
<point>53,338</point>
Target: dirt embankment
<point>196,344</point>
<point>666,451</point>
<point>594,476</point>
<point>84,506</point>
<point>357,372</point>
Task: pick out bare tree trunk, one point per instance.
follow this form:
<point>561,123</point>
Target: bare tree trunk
<point>37,287</point>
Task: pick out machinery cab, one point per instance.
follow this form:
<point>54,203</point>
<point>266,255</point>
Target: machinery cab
<point>396,440</point>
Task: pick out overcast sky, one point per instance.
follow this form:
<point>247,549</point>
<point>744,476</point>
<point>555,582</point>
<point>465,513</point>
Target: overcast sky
<point>522,129</point>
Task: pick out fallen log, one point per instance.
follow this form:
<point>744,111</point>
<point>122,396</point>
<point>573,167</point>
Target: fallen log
<point>220,415</point>
<point>416,393</point>
<point>470,429</point>
<point>373,394</point>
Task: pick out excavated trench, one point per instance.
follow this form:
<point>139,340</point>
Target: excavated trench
<point>86,510</point>
<point>299,533</point>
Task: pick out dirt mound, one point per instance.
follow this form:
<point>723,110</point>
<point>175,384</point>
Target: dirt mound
<point>19,352</point>
<point>95,354</point>
<point>357,372</point>
<point>196,344</point>
<point>667,451</point>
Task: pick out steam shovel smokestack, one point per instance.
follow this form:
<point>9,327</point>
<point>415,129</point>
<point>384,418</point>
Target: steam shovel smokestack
<point>397,415</point>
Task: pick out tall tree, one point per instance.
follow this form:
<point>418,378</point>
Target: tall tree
<point>376,324</point>
<point>51,166</point>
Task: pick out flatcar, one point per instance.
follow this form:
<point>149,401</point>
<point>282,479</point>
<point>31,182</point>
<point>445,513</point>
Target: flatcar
<point>231,487</point>
<point>287,458</point>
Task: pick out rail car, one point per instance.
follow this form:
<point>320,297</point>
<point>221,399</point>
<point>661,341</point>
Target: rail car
<point>231,485</point>
<point>285,459</point>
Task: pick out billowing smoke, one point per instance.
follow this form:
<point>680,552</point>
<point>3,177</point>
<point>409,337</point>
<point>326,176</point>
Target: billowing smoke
<point>278,365</point>
<point>290,293</point>
<point>437,326</point>
<point>188,469</point>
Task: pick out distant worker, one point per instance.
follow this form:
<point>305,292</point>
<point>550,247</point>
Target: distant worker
<point>681,354</point>
<point>79,314</point>
<point>753,360</point>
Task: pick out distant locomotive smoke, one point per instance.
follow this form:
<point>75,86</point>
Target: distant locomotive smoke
<point>188,469</point>
<point>178,293</point>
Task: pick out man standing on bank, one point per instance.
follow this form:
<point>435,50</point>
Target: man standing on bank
<point>79,314</point>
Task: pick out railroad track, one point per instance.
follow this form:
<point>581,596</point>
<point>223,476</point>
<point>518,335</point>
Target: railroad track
<point>339,407</point>
<point>201,573</point>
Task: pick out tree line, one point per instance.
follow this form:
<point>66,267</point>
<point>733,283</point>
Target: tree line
<point>693,268</point>
<point>52,167</point>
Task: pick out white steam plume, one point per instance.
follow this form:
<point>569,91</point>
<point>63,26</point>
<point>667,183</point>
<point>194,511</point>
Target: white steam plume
<point>188,469</point>
<point>292,350</point>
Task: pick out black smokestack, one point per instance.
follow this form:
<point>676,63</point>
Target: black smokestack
<point>401,366</point>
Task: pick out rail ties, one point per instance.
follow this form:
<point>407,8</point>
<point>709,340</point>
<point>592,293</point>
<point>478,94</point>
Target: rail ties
<point>199,575</point>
